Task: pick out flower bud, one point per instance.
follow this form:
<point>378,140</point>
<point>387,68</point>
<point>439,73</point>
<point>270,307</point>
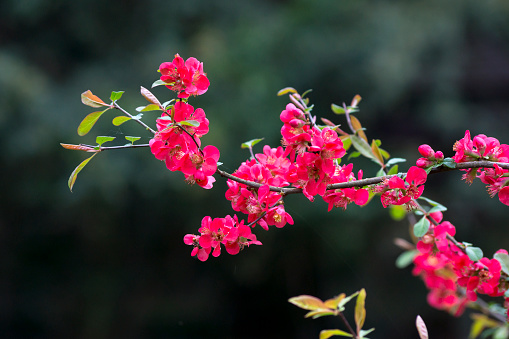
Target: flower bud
<point>423,163</point>
<point>296,123</point>
<point>426,151</point>
<point>439,155</point>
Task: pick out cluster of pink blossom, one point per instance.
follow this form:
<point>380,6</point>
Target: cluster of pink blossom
<point>186,78</point>
<point>214,232</point>
<point>177,143</point>
<point>482,147</point>
<point>452,277</point>
<point>429,156</point>
<point>396,191</point>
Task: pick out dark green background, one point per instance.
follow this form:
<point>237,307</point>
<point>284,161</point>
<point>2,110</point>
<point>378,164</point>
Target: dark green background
<point>108,261</point>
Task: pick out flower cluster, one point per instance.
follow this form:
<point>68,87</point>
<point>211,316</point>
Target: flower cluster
<point>452,277</point>
<point>186,78</point>
<point>177,143</point>
<point>429,156</point>
<point>396,191</point>
<point>482,147</point>
<point>214,232</point>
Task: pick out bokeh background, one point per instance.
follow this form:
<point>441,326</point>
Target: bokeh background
<point>108,261</point>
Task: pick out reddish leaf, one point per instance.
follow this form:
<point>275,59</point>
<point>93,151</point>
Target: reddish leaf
<point>150,97</point>
<point>356,124</point>
<point>360,310</point>
<point>78,148</point>
<point>334,302</point>
<point>377,153</point>
<point>307,302</point>
<point>92,100</point>
<point>355,101</point>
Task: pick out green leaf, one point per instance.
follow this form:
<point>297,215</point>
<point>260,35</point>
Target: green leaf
<point>132,139</point>
<point>326,334</point>
<point>160,83</point>
<point>397,212</point>
<point>393,170</point>
<point>364,332</point>
<point>117,121</point>
<point>337,109</point>
<point>74,174</point>
<point>307,302</point>
<point>319,313</point>
<point>92,100</point>
<point>116,95</point>
<point>250,143</point>
<point>474,253</point>
<point>102,139</point>
<point>395,161</point>
<point>360,310</point>
<point>449,162</point>
<point>149,107</point>
<point>421,227</point>
<point>88,122</point>
<point>193,123</point>
<point>166,103</point>
<point>286,90</point>
<point>354,155</point>
<point>344,301</point>
<point>436,206</point>
<point>362,146</point>
<point>406,258</point>
<point>504,261</point>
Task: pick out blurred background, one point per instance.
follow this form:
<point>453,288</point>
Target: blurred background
<point>108,261</point>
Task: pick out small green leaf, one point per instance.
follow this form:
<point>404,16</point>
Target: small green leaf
<point>132,139</point>
<point>362,146</point>
<point>406,258</point>
<point>474,253</point>
<point>504,261</point>
<point>360,310</point>
<point>160,83</point>
<point>88,122</point>
<point>286,90</point>
<point>149,107</point>
<point>117,121</point>
<point>193,123</point>
<point>449,162</point>
<point>439,207</point>
<point>74,174</point>
<point>319,313</point>
<point>102,139</point>
<point>344,301</point>
<point>380,172</point>
<point>337,109</point>
<point>250,143</point>
<point>116,95</point>
<point>166,103</point>
<point>393,170</point>
<point>397,212</point>
<point>326,334</point>
<point>395,161</point>
<point>364,332</point>
<point>354,155</point>
<point>307,302</point>
<point>421,227</point>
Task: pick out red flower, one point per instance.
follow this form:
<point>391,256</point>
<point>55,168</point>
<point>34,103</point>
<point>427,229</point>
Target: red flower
<point>187,78</point>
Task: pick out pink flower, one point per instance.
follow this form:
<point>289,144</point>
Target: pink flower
<point>395,191</point>
<point>187,78</point>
